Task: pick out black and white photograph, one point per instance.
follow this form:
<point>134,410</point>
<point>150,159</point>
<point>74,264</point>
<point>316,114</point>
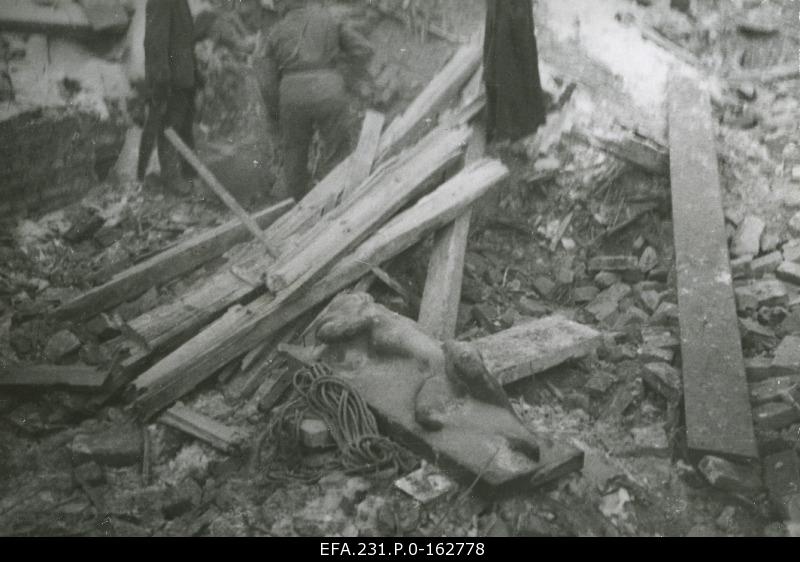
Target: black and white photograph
<point>400,277</point>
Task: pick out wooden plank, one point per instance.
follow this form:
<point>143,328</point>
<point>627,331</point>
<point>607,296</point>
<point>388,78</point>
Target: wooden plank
<point>26,16</point>
<point>242,329</point>
<point>438,313</point>
<point>159,269</point>
<point>204,428</point>
<point>363,158</point>
<point>436,95</point>
<point>106,15</point>
<point>75,376</point>
<point>220,190</point>
<point>386,193</point>
<point>718,416</point>
<point>536,346</point>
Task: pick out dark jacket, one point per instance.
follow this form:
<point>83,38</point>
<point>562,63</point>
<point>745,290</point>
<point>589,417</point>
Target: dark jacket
<point>515,103</point>
<point>169,45</point>
<point>307,39</point>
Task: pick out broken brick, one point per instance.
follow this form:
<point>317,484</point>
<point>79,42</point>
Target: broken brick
<point>782,479</point>
<point>583,295</point>
<point>606,279</point>
<point>181,499</point>
<point>766,264</point>
<point>748,237</point>
<point>650,300</point>
<point>613,264</point>
<point>666,313</point>
<point>117,446</point>
<point>741,266</point>
<point>600,383</point>
<point>771,390</point>
<point>90,473</point>
<point>60,345</point>
<point>775,415</point>
<point>787,356</point>
<point>791,251</point>
<point>607,302</point>
<point>649,260</point>
<point>664,379</point>
<point>758,368</point>
<point>655,354</point>
<point>544,286</point>
<point>651,440</point>
<point>659,337</point>
<point>315,434</point>
<point>767,292</point>
<point>789,272</point>
<point>533,308</point>
<point>730,477</point>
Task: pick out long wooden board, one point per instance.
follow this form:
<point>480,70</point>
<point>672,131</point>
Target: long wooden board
<point>718,416</point>
<point>438,312</point>
<point>165,266</point>
<point>75,376</point>
<point>242,329</point>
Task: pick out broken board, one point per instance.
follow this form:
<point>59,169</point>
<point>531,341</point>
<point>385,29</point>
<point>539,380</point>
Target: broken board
<point>75,376</point>
<point>534,347</point>
<point>718,416</point>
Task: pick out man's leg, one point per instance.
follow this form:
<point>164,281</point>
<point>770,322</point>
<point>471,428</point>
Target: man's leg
<point>296,134</point>
<point>334,129</point>
<point>185,128</point>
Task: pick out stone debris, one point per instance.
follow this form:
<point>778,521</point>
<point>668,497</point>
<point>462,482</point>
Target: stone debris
<point>664,379</point>
<point>730,477</point>
<point>747,240</point>
<point>60,345</point>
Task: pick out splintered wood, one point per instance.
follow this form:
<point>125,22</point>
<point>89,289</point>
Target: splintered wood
<point>244,328</point>
<point>718,416</point>
<point>536,346</point>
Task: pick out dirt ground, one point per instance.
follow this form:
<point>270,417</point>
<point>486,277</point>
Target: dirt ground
<point>67,468</point>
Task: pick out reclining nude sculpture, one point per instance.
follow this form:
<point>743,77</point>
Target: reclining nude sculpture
<point>439,390</point>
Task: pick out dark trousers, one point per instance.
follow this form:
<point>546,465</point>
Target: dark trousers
<point>176,111</point>
<point>309,102</point>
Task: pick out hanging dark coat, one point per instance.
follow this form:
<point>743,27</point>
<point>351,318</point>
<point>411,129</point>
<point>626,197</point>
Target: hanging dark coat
<point>515,103</point>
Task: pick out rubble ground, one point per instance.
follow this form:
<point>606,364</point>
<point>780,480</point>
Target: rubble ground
<point>575,232</point>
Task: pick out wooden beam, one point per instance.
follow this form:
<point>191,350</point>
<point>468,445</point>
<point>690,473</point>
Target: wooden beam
<point>386,193</point>
<point>242,329</point>
<point>718,416</point>
<point>363,158</point>
<point>536,346</point>
<point>163,267</point>
<point>438,312</point>
<point>204,428</point>
<point>220,190</point>
<point>788,71</point>
<point>75,376</point>
<point>436,95</point>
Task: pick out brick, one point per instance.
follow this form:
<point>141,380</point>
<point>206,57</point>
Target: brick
<point>665,314</point>
<point>664,379</point>
<point>782,479</point>
<point>791,251</point>
<point>750,327</point>
<point>600,383</point>
<point>659,337</point>
<point>730,477</point>
<point>315,434</point>
<point>426,485</point>
<point>583,295</point>
<point>633,316</point>
<point>775,415</point>
<point>607,302</point>
<point>758,368</point>
<point>60,345</point>
<point>789,272</point>
<point>544,286</point>
<point>606,279</point>
<point>649,260</point>
<point>181,499</point>
<point>117,446</point>
<point>787,356</point>
<point>767,292</point>
<point>613,264</point>
<point>772,389</point>
<point>770,242</point>
<point>748,237</point>
<point>650,300</point>
<point>794,223</point>
<point>651,440</point>
<point>655,354</point>
<point>766,264</point>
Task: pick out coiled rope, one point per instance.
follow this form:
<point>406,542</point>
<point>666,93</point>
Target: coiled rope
<point>317,392</point>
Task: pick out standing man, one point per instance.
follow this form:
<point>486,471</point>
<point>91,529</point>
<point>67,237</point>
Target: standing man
<point>170,81</point>
<point>303,90</point>
<point>515,105</point>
